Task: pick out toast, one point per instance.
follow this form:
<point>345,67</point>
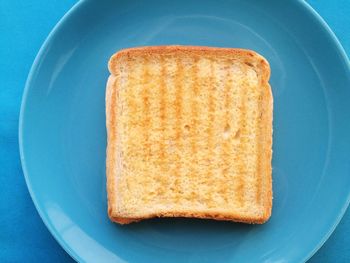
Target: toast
<point>189,134</point>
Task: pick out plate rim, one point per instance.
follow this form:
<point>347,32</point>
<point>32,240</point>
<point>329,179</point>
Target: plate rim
<point>305,5</point>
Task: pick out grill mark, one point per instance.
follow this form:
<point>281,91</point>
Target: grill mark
<point>162,109</point>
<point>211,109</point>
<point>239,189</point>
<point>194,106</point>
<point>226,146</point>
<point>130,100</point>
<point>178,119</point>
<point>194,123</point>
<point>259,151</point>
<point>146,114</point>
<point>130,105</point>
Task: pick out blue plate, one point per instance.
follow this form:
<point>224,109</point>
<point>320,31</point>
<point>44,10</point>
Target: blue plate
<point>63,135</point>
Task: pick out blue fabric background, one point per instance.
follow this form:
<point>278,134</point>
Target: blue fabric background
<point>24,26</point>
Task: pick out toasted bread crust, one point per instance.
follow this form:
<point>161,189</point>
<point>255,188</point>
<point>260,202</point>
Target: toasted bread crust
<point>111,122</point>
<point>198,50</point>
<point>111,130</point>
<point>215,216</point>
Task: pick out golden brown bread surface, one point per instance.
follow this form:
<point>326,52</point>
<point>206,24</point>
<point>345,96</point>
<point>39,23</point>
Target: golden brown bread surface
<point>189,134</point>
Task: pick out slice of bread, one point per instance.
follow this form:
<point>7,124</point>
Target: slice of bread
<point>189,134</point>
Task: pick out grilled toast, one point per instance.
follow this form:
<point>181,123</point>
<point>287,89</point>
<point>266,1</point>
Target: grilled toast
<point>189,134</point>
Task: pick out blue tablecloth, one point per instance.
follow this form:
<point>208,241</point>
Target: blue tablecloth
<point>24,25</point>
